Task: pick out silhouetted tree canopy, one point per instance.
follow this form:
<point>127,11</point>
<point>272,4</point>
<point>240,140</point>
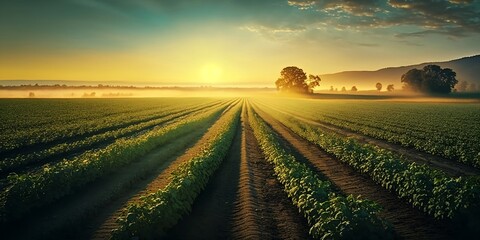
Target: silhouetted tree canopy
<point>354,89</point>
<point>378,86</point>
<point>431,79</point>
<point>344,89</point>
<point>390,88</point>
<point>294,79</point>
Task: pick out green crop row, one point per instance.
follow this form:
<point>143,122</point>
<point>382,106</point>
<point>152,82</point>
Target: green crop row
<point>11,164</point>
<point>159,211</point>
<point>450,131</point>
<point>330,215</point>
<point>26,191</point>
<point>73,119</point>
<point>428,189</point>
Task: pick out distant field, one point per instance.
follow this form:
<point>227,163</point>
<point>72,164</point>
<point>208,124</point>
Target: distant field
<point>222,168</point>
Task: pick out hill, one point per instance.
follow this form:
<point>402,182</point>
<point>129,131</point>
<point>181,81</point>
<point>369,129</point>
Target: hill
<point>467,69</point>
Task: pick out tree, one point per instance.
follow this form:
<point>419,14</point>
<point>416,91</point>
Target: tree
<point>390,88</point>
<point>344,89</point>
<point>354,89</point>
<point>331,89</point>
<point>378,86</point>
<point>312,82</point>
<point>294,79</point>
<point>431,79</point>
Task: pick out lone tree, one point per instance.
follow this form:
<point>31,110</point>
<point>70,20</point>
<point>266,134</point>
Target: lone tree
<point>354,89</point>
<point>294,79</point>
<point>390,88</point>
<point>431,79</point>
<point>378,86</point>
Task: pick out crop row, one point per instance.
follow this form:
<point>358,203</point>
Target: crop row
<point>159,211</point>
<point>60,128</point>
<point>450,132</point>
<point>428,189</point>
<point>20,160</point>
<point>29,190</point>
<point>330,215</point>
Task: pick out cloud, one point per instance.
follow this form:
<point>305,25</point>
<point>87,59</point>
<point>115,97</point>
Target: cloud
<point>354,7</point>
<point>455,18</point>
<point>280,33</point>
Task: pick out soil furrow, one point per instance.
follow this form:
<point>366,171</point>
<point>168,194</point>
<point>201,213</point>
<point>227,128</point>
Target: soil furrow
<point>43,145</point>
<point>243,200</point>
<point>33,166</point>
<point>273,204</point>
<point>72,216</point>
<point>448,166</point>
<point>105,222</point>
<point>408,222</point>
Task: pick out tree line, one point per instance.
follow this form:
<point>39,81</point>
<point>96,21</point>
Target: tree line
<point>432,79</point>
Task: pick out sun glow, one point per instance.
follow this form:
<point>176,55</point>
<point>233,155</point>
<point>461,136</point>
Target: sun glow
<point>211,73</point>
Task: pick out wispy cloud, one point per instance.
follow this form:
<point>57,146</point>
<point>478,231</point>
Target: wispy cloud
<point>458,18</point>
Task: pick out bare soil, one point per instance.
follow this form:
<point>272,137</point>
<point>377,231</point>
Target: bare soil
<point>409,223</point>
<point>105,222</point>
<point>80,214</point>
<point>243,199</point>
<point>32,166</point>
<point>448,166</point>
<point>73,215</point>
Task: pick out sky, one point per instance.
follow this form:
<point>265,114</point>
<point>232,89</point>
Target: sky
<point>226,41</point>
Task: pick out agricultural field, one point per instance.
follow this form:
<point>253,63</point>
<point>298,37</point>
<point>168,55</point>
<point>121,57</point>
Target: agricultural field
<point>241,168</point>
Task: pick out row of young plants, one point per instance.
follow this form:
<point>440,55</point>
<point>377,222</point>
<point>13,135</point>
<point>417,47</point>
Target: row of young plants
<point>65,111</point>
<point>329,215</point>
<point>434,192</point>
<point>159,211</point>
<point>61,128</point>
<point>435,142</point>
<point>29,190</point>
<point>58,129</point>
<point>16,163</point>
<point>417,126</point>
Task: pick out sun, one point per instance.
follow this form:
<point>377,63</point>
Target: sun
<point>211,73</point>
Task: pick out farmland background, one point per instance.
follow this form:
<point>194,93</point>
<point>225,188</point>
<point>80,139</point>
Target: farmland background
<point>262,167</point>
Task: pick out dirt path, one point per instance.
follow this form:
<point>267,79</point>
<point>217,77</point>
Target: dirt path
<point>448,166</point>
<point>409,223</point>
<point>243,199</point>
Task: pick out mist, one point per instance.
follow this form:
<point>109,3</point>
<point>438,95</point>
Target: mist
<point>134,93</point>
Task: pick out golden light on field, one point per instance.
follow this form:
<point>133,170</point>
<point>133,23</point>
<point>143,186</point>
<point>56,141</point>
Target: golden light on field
<point>211,73</point>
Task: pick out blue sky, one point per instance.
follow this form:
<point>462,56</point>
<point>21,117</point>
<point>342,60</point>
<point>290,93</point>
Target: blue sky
<point>226,41</point>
